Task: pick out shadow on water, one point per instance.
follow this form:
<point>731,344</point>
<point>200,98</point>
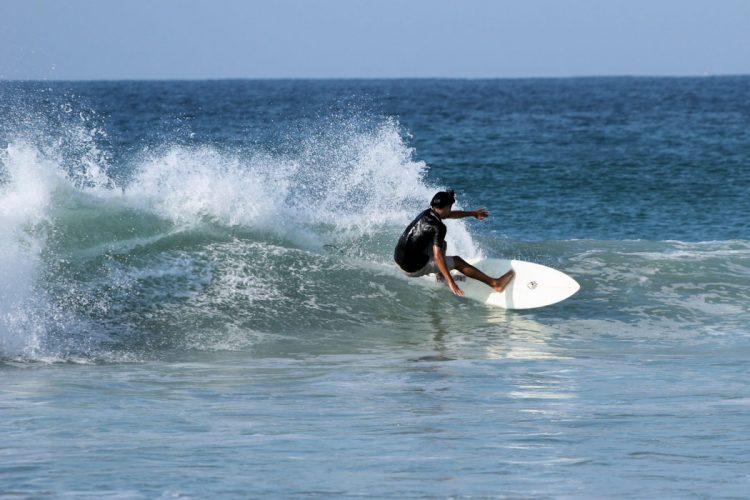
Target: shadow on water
<point>461,329</point>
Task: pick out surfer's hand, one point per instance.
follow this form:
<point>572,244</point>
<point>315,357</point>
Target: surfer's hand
<point>481,213</point>
<point>454,288</point>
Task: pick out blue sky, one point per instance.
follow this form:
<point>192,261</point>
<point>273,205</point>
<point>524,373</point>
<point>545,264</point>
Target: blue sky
<point>187,39</point>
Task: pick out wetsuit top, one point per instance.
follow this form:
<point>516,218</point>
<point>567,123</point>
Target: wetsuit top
<point>414,247</point>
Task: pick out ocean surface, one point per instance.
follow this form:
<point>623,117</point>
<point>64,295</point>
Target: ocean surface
<point>197,294</point>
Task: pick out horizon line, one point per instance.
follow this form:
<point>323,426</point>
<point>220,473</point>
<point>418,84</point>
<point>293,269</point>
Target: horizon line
<point>366,78</point>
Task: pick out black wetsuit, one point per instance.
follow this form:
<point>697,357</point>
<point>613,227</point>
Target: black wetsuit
<point>414,247</point>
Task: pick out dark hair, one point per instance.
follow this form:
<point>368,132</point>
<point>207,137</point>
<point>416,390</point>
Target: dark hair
<point>443,199</point>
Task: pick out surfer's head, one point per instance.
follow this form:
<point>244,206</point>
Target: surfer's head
<point>443,199</point>
<point>442,202</point>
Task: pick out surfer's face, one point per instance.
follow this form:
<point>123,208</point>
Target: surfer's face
<point>443,211</point>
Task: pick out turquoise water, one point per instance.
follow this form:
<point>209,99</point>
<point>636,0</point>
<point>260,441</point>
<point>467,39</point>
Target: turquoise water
<point>197,298</point>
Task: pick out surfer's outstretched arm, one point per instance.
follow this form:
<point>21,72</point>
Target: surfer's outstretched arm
<point>480,213</point>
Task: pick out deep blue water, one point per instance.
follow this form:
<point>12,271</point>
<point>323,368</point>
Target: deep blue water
<point>197,297</point>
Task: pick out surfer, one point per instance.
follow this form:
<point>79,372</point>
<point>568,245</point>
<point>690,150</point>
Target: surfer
<point>421,248</point>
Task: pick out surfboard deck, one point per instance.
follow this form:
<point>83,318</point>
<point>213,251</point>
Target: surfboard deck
<point>534,285</point>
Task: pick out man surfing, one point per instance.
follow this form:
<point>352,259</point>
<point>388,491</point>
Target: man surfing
<point>421,248</point>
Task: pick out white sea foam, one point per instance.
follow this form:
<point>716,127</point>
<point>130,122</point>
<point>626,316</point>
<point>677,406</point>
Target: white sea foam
<point>24,200</point>
<point>31,172</point>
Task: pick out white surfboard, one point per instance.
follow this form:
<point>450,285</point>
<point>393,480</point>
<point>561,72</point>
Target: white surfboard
<point>533,285</point>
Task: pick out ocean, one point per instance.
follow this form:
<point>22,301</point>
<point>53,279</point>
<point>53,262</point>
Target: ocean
<point>197,293</point>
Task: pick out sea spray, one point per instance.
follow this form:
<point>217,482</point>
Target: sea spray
<point>333,189</point>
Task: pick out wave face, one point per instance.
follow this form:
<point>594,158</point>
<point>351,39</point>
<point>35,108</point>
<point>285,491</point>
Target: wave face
<point>143,219</point>
<point>200,247</point>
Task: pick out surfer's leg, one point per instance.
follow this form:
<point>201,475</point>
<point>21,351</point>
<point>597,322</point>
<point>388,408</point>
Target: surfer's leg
<point>498,284</point>
<point>503,280</point>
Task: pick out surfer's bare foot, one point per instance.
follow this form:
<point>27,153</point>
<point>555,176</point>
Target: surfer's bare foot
<point>502,281</point>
